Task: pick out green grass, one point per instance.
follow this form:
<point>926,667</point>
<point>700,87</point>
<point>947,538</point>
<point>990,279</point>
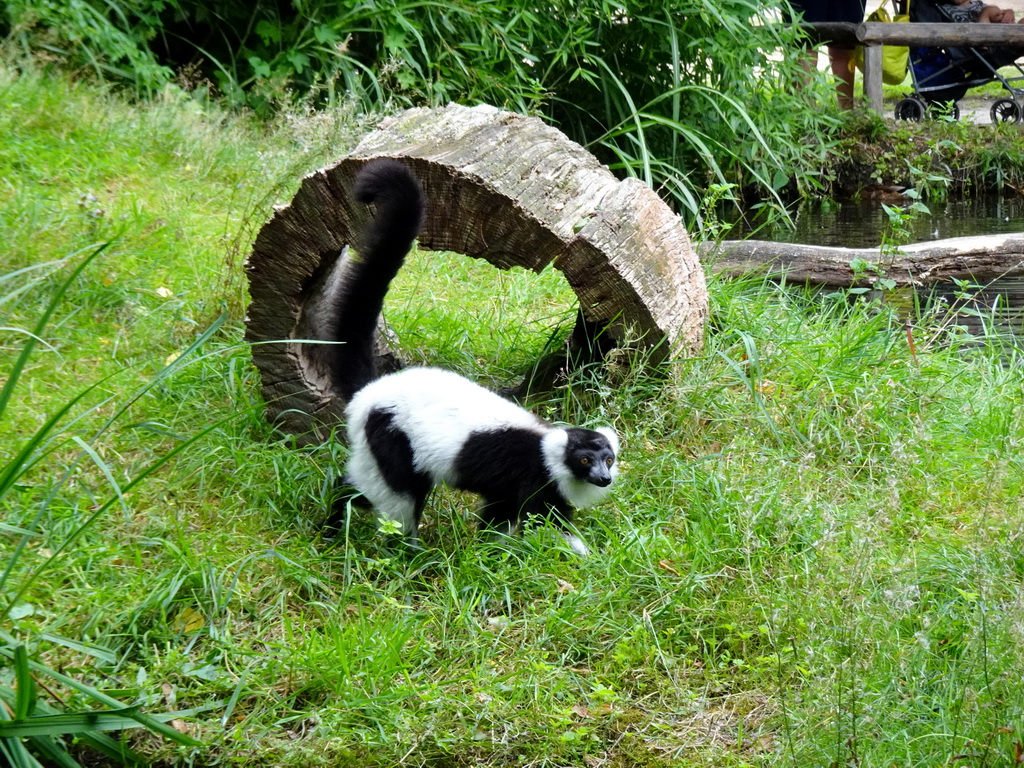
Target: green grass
<point>813,558</point>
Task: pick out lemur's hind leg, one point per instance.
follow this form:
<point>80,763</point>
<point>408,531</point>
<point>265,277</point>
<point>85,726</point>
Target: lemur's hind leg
<point>395,488</point>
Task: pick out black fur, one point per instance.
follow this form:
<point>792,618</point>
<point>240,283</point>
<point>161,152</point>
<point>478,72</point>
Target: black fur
<point>506,469</point>
<point>393,452</point>
<point>589,456</point>
<point>400,204</point>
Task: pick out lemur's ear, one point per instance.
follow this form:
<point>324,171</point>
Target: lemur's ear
<point>609,433</point>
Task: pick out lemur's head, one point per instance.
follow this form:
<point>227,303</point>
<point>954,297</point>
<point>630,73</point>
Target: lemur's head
<point>590,454</point>
<point>583,462</point>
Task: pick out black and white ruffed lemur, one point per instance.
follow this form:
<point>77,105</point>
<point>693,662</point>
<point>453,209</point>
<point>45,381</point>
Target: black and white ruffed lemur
<point>411,430</point>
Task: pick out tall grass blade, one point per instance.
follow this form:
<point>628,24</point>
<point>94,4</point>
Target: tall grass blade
<point>100,652</point>
<point>30,453</point>
<point>149,722</point>
<point>44,319</point>
<point>54,753</point>
<point>14,753</point>
<point>105,469</point>
<point>58,725</point>
<point>101,510</point>
<point>26,696</point>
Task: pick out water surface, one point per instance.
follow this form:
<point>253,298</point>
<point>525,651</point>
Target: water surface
<point>863,223</point>
<point>996,307</point>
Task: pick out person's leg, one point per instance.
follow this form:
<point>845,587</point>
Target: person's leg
<point>840,59</point>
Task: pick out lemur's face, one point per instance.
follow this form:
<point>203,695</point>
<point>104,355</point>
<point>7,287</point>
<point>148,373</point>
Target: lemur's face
<point>591,455</point>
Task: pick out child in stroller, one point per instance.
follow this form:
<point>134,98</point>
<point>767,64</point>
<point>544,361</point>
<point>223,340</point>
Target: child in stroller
<point>941,76</point>
<point>976,10</point>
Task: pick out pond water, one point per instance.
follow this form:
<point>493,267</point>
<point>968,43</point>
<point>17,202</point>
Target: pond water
<point>863,223</point>
<point>997,307</point>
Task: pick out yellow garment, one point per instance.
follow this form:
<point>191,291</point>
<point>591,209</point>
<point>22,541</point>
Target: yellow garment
<point>894,57</point>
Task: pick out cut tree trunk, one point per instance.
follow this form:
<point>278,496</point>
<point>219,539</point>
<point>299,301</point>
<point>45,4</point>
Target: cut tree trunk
<point>979,259</point>
<point>501,187</point>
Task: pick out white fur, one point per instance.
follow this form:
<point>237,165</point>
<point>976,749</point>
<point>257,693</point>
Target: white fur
<point>438,410</point>
<point>613,438</point>
<point>389,504</point>
<point>576,544</point>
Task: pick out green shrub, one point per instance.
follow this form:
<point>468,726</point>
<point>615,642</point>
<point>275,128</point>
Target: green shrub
<point>109,37</point>
<point>681,94</point>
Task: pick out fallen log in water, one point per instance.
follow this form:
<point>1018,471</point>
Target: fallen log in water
<point>979,258</point>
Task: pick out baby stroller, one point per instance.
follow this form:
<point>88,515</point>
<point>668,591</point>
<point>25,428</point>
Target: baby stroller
<point>941,76</point>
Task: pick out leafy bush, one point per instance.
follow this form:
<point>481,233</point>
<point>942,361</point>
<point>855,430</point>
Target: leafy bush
<point>109,37</point>
<point>680,93</point>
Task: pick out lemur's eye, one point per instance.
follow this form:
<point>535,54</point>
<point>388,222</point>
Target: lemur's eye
<point>585,461</point>
<point>609,461</point>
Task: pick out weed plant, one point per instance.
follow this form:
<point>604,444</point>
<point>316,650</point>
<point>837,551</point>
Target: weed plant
<point>813,557</point>
<point>935,157</point>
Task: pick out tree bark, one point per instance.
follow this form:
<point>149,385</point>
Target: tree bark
<point>501,187</point>
<point>979,259</point>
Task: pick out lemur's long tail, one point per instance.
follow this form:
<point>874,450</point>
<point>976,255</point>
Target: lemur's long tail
<point>400,204</point>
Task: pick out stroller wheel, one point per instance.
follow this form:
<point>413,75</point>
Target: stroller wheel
<point>910,108</point>
<point>1005,111</point>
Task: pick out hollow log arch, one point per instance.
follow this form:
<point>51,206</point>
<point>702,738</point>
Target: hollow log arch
<point>501,187</point>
